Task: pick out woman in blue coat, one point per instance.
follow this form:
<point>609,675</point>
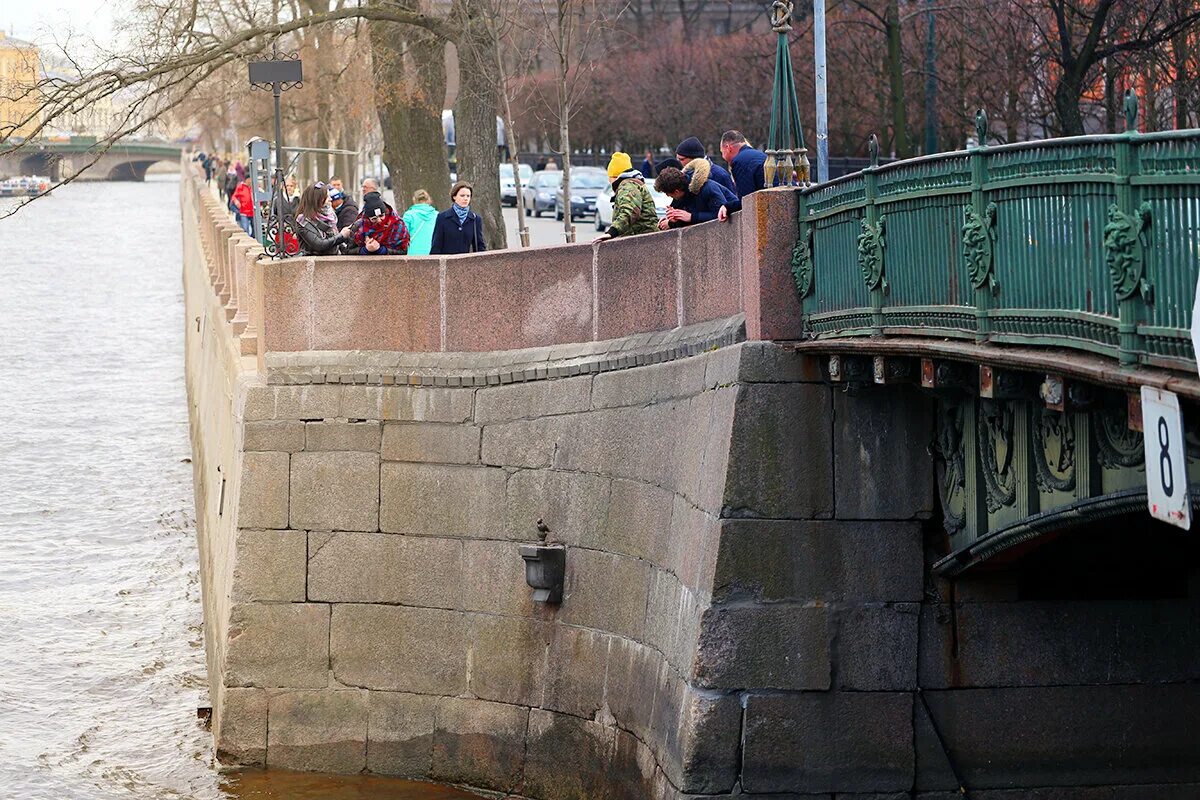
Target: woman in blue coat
<point>458,229</point>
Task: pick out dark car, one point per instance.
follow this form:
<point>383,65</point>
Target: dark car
<point>586,185</point>
<point>539,194</point>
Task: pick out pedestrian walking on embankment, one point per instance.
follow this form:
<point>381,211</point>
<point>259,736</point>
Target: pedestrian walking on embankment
<point>458,229</point>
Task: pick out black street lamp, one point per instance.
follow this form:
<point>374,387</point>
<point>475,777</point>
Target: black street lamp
<point>279,75</point>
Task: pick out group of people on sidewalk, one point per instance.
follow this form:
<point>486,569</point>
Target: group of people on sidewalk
<point>329,222</point>
<point>700,189</point>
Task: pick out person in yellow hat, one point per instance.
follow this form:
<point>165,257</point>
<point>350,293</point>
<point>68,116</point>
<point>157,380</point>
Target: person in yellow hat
<point>633,205</point>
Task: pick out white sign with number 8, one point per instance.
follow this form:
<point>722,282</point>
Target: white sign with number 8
<point>1166,458</point>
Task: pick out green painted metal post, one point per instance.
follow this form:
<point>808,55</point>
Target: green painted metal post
<point>983,294</point>
<point>871,220</point>
<point>803,261</point>
<point>1130,309</point>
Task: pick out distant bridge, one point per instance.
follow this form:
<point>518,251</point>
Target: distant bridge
<point>123,161</point>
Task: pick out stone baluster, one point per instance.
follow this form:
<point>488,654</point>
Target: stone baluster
<point>249,306</point>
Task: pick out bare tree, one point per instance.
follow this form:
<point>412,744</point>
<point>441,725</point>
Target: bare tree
<point>1080,36</point>
<point>567,30</point>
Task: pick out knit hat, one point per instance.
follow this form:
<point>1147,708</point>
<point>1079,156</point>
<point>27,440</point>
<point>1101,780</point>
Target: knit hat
<point>620,162</point>
<point>335,195</point>
<point>667,162</point>
<point>690,148</point>
<point>373,204</point>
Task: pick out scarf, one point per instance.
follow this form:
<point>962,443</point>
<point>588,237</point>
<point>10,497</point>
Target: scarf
<point>328,214</point>
<point>461,213</point>
<point>389,231</point>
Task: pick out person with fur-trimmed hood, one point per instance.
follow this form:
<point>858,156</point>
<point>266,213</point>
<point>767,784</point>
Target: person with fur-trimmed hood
<point>633,205</point>
<point>710,200</point>
<point>690,153</point>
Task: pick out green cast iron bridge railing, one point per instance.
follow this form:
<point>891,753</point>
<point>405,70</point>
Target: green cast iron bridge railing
<point>1089,242</point>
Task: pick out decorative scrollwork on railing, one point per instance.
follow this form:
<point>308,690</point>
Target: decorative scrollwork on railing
<point>1126,238</point>
<point>950,458</point>
<point>996,449</point>
<point>871,243</point>
<point>802,263</point>
<point>1054,446</point>
<point>979,239</point>
<point>1117,447</point>
<point>271,238</point>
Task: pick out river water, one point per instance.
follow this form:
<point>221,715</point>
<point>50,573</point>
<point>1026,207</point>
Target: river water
<point>101,650</point>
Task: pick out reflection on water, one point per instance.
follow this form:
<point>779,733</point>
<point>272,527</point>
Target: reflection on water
<point>101,655</point>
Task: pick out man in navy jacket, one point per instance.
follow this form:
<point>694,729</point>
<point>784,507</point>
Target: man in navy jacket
<point>690,149</point>
<point>744,162</point>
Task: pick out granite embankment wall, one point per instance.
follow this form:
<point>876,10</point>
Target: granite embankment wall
<point>748,606</point>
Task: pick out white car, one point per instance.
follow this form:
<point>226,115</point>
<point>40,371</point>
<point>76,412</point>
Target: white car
<point>604,209</point>
<point>508,187</point>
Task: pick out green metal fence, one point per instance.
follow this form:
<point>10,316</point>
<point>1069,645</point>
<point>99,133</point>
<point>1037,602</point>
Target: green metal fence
<point>1088,242</point>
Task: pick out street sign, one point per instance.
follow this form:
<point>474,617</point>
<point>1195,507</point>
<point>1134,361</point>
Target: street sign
<point>1196,323</point>
<point>1166,458</point>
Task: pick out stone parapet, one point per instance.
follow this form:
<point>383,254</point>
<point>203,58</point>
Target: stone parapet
<point>538,297</point>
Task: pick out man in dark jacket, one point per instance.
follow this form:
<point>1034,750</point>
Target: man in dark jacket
<point>344,207</point>
<point>688,208</point>
<point>690,149</point>
<point>745,162</point>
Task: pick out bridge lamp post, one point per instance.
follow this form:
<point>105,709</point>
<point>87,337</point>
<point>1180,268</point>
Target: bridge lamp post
<point>787,157</point>
<point>279,75</point>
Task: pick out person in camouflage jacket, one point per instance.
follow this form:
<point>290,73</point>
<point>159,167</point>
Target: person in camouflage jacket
<point>633,205</point>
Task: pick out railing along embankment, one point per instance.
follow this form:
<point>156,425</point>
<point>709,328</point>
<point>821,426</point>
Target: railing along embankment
<point>1090,243</point>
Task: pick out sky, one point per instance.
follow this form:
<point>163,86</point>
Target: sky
<point>45,21</point>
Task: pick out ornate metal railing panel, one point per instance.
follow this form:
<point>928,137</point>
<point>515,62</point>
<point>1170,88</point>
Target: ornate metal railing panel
<point>1090,243</point>
<point>1010,469</point>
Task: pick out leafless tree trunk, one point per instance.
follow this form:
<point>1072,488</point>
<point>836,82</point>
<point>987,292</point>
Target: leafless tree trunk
<point>475,118</point>
<point>410,91</point>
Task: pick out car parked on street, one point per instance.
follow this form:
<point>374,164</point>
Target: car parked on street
<point>508,186</point>
<point>539,192</point>
<point>586,185</point>
<point>604,205</point>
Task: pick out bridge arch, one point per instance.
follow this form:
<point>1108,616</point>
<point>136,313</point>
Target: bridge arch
<point>48,164</point>
<point>130,170</point>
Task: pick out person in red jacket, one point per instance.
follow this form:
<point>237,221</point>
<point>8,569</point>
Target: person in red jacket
<point>243,201</point>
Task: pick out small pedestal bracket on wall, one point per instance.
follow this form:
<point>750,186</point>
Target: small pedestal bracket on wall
<point>545,571</point>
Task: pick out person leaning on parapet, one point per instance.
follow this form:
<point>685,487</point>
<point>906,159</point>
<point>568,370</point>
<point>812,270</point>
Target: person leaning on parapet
<point>744,162</point>
<point>344,207</point>
<point>419,219</point>
<point>380,232</point>
<point>698,171</point>
<point>688,208</point>
<point>691,153</point>
<point>458,229</point>
<point>633,205</point>
<point>317,235</point>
